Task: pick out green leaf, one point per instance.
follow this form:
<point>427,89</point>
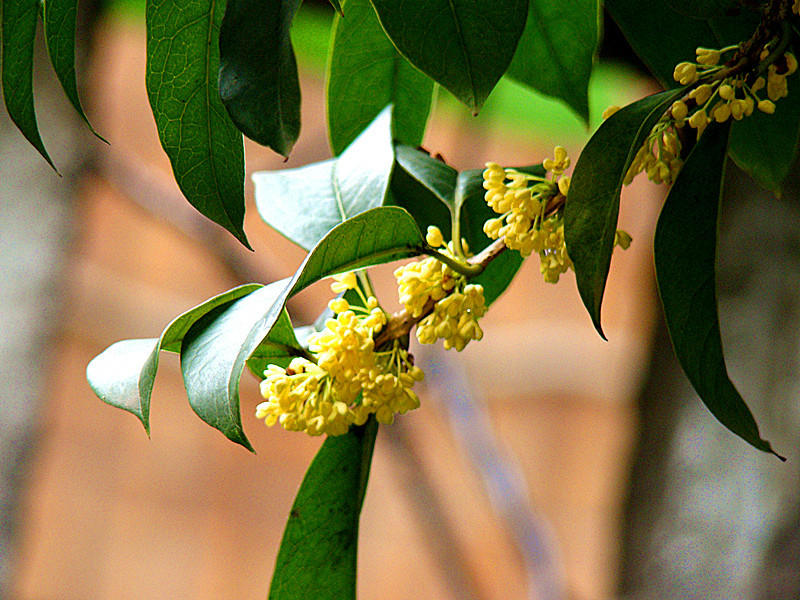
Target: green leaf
<point>318,554</point>
<point>376,236</point>
<point>704,9</point>
<point>123,374</point>
<point>366,73</point>
<point>59,18</point>
<point>557,50</point>
<point>305,204</point>
<point>463,45</point>
<point>765,146</point>
<point>258,80</point>
<point>663,37</point>
<point>203,145</point>
<point>435,175</point>
<point>216,348</point>
<point>421,203</point>
<point>685,258</point>
<point>17,36</point>
<point>336,6</point>
<point>592,210</point>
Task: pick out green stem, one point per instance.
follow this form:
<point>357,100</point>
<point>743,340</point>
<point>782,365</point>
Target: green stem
<point>462,267</point>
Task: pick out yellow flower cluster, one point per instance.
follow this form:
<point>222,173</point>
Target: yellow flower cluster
<point>347,381</point>
<point>522,201</point>
<point>737,96</point>
<point>713,98</point>
<point>455,305</point>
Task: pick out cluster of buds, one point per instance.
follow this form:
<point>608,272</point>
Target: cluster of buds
<point>660,155</point>
<point>348,380</point>
<point>431,286</point>
<point>719,98</point>
<point>525,203</point>
<point>713,97</point>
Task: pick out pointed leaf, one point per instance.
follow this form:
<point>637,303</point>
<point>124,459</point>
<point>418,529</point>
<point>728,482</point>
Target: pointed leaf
<point>258,72</point>
<point>557,50</point>
<point>59,18</point>
<point>318,553</point>
<point>123,374</point>
<point>17,36</point>
<point>365,73</point>
<point>591,213</point>
<point>435,175</point>
<point>305,204</point>
<point>463,45</point>
<point>685,257</point>
<point>215,349</point>
<point>203,145</point>
<point>421,203</point>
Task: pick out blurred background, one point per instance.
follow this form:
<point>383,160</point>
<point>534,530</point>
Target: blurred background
<point>544,463</point>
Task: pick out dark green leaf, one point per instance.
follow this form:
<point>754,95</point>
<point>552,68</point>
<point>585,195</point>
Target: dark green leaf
<point>203,145</point>
<point>17,34</point>
<point>318,553</point>
<point>258,72</point>
<point>591,213</point>
<point>685,257</point>
<point>305,204</point>
<point>336,6</point>
<point>123,374</point>
<point>704,9</point>
<point>426,207</point>
<point>463,45</point>
<point>434,174</point>
<point>557,50</point>
<point>431,191</point>
<point>59,29</point>
<point>663,37</point>
<point>765,146</point>
<point>365,74</point>
<point>216,347</point>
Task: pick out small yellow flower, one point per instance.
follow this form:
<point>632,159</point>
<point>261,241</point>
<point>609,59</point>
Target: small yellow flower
<point>559,163</point>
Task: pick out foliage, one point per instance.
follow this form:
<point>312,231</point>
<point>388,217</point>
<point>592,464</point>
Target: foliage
<point>216,72</point>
